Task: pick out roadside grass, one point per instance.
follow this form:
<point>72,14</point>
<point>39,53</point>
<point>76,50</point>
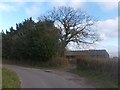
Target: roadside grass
<point>9,79</point>
<point>99,78</point>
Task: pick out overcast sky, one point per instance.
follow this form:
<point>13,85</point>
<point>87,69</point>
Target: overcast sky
<point>106,12</point>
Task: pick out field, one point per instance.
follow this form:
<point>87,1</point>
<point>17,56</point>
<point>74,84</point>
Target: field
<point>9,79</point>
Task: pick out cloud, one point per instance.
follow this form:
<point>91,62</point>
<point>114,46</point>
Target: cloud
<point>58,0</point>
<point>71,3</point>
<point>108,6</point>
<point>6,7</point>
<point>55,3</point>
<point>110,45</point>
<point>22,0</point>
<point>103,0</point>
<point>108,29</point>
<point>35,9</point>
<point>76,3</point>
<point>11,6</point>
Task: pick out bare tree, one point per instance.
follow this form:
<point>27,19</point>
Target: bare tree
<point>74,25</point>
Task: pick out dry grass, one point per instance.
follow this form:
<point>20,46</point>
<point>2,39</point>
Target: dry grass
<point>104,66</point>
<point>59,61</point>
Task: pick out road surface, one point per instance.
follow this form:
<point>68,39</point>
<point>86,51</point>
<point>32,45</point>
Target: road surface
<point>37,78</point>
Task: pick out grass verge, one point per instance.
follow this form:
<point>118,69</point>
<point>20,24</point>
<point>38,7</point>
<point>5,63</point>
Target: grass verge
<point>9,79</point>
<point>100,79</point>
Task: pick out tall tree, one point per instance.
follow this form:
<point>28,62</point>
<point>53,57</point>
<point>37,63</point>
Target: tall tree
<point>74,26</point>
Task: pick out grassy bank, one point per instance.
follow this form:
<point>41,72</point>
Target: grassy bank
<point>99,78</point>
<point>9,79</point>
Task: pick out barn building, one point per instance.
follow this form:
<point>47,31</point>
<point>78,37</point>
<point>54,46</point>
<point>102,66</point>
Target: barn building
<point>87,53</point>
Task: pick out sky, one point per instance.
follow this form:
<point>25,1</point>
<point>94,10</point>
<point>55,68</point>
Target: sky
<point>106,11</point>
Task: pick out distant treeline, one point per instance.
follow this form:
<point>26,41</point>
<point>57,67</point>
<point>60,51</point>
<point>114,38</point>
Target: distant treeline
<point>33,41</point>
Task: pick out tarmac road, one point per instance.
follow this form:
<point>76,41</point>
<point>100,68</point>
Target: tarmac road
<point>37,78</point>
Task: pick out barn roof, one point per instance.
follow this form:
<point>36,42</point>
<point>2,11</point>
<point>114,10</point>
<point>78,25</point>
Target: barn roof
<point>86,52</point>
